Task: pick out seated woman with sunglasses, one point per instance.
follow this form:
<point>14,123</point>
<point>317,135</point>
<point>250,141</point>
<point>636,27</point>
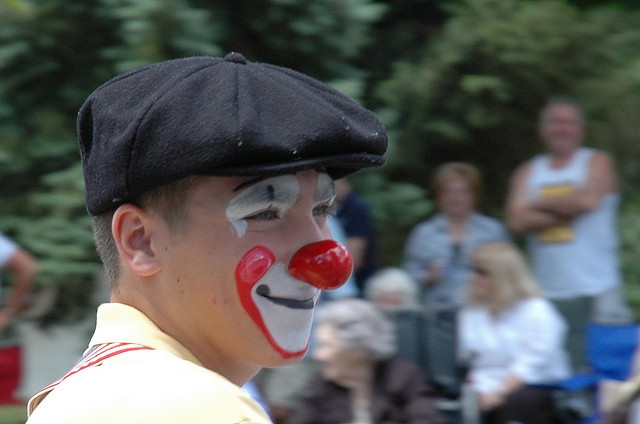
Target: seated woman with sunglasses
<point>511,338</point>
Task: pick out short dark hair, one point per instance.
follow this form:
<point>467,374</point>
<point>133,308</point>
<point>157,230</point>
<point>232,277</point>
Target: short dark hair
<point>168,201</point>
<point>457,170</point>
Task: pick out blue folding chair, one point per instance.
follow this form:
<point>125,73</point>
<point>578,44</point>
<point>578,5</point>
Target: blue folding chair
<point>609,352</point>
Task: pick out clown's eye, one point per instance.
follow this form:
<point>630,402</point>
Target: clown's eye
<point>266,215</point>
<point>324,210</point>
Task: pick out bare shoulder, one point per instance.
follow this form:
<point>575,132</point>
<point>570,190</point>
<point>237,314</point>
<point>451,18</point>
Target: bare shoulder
<point>602,158</point>
<point>520,174</point>
<point>602,171</point>
<point>602,164</point>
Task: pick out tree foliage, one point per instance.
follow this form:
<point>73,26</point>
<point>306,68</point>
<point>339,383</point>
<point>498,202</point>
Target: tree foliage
<point>476,93</point>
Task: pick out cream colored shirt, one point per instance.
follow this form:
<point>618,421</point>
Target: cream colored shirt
<point>162,385</point>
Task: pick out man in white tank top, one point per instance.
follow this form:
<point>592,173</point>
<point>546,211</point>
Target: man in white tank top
<point>566,202</point>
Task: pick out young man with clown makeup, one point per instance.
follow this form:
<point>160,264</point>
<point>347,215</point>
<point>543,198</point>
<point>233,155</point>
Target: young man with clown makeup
<point>209,181</point>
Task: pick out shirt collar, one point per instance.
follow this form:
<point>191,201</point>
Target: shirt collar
<point>119,323</point>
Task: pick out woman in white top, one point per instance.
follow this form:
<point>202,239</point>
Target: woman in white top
<point>511,338</point>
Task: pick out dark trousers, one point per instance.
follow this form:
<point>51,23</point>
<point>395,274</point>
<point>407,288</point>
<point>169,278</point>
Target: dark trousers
<point>527,405</point>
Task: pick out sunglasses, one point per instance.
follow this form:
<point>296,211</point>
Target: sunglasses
<point>480,271</point>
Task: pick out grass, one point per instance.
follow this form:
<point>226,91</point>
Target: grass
<point>13,414</point>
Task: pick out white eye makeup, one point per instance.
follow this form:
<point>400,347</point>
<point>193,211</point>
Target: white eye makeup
<point>263,199</point>
<point>324,196</point>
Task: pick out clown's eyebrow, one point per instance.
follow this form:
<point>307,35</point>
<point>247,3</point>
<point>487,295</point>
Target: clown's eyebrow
<point>264,177</point>
<point>281,191</point>
<point>251,182</point>
<point>270,193</point>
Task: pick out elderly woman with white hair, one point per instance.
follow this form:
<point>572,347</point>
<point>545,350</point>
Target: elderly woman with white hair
<point>362,380</point>
<point>392,287</point>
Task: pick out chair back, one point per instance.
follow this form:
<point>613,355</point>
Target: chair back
<point>409,324</point>
<point>610,349</point>
<point>441,343</point>
<point>576,312</point>
<point>427,336</point>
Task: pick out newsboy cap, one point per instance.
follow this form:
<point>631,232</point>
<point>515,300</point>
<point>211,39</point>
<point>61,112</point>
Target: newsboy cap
<point>220,117</point>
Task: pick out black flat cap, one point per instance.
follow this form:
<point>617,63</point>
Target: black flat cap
<point>220,117</point>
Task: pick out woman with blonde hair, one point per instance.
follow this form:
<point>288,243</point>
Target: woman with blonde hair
<point>512,339</point>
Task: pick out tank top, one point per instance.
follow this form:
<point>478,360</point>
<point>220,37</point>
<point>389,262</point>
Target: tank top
<point>578,257</point>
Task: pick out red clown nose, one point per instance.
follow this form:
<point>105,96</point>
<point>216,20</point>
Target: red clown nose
<point>325,264</point>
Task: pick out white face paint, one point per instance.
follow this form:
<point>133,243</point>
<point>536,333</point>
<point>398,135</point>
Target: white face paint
<point>286,306</point>
<point>274,195</point>
<point>281,305</point>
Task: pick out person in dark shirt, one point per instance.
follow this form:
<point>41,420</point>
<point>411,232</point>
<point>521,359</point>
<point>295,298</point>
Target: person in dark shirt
<point>356,219</point>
